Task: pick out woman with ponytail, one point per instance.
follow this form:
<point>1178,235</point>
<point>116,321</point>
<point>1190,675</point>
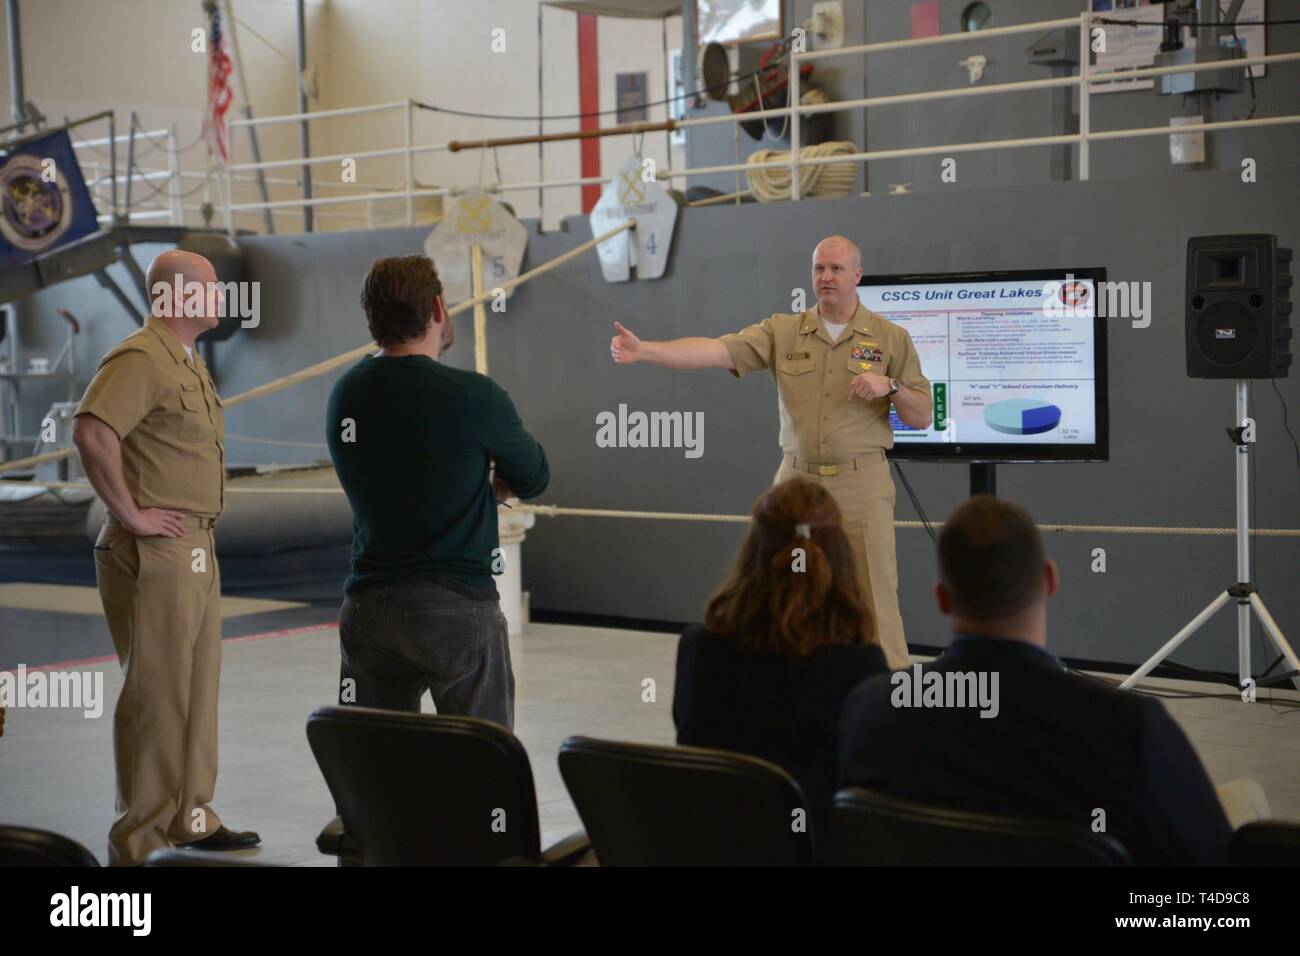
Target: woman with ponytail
<point>785,639</point>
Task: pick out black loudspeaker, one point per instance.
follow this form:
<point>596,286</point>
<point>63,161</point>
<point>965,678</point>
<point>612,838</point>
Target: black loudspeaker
<point>1238,307</point>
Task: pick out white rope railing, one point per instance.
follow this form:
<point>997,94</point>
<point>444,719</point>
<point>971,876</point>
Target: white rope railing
<point>555,511</point>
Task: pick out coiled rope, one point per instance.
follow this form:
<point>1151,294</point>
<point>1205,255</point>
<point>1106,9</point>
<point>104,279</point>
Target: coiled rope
<point>822,181</point>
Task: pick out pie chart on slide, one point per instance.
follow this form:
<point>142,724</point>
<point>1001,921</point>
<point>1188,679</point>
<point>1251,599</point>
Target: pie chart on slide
<point>1022,416</point>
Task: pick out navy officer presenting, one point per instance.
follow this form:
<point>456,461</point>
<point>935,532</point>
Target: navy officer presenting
<point>838,366</point>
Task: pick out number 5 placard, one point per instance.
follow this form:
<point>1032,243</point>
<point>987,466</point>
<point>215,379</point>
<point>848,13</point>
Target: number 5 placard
<point>476,217</point>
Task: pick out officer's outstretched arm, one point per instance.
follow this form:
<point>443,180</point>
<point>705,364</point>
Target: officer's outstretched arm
<point>692,352</point>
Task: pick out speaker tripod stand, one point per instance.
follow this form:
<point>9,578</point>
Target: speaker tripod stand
<point>1243,591</point>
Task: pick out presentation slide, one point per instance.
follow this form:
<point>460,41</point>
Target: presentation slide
<point>1010,362</point>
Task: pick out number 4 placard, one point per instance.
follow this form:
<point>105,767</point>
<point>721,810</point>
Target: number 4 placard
<point>630,196</point>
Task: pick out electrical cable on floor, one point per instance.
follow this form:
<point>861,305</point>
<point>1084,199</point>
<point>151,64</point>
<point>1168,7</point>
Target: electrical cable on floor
<point>1287,424</point>
<point>916,503</point>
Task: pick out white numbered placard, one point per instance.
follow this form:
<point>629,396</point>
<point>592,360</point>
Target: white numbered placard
<point>629,196</point>
<point>475,217</point>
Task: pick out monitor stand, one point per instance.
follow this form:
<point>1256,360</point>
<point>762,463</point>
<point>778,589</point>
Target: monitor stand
<point>983,478</point>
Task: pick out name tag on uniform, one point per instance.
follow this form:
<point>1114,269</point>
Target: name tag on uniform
<point>798,355</point>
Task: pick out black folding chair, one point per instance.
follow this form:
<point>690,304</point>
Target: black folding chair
<point>1265,843</point>
<point>25,846</point>
<point>424,790</point>
<point>872,829</point>
<point>685,806</point>
<point>180,856</point>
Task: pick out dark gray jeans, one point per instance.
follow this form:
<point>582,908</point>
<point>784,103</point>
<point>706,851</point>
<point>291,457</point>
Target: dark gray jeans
<point>400,640</point>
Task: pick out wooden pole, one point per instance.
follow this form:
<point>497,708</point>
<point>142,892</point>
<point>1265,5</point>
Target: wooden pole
<point>480,310</point>
<point>456,146</point>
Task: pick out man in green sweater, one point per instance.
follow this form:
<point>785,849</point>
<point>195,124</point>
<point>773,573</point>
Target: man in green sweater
<point>412,441</point>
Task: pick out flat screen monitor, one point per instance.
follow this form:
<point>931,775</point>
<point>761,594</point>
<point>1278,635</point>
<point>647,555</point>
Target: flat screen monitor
<point>1016,362</point>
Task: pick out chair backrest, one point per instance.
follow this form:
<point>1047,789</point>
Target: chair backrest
<point>421,790</point>
<point>1265,843</point>
<point>685,806</point>
<point>181,856</point>
<point>871,829</point>
<point>24,846</point>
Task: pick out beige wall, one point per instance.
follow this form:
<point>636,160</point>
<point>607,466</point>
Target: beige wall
<point>83,56</point>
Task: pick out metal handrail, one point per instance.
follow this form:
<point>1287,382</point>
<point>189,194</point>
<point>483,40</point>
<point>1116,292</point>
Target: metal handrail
<point>171,175</point>
<point>882,45</point>
<point>1085,80</point>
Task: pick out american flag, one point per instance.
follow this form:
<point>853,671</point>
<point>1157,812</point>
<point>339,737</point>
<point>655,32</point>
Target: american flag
<point>219,92</point>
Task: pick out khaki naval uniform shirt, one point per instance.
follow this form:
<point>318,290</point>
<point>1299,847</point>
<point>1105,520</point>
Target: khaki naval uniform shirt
<point>161,594</point>
<point>166,411</point>
<point>820,423</point>
<point>840,441</point>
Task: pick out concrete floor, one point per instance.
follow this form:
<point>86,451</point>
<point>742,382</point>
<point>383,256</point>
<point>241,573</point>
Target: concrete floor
<point>56,767</point>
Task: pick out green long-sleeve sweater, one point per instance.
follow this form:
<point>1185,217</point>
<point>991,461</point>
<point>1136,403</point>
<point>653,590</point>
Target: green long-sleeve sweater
<point>412,440</point>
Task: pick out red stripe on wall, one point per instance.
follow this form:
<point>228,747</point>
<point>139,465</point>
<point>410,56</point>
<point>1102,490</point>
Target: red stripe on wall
<point>588,102</point>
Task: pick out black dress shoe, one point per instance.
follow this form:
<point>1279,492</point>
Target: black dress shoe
<point>225,839</point>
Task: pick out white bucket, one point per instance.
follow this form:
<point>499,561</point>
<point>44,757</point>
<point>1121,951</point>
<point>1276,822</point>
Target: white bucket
<point>511,526</point>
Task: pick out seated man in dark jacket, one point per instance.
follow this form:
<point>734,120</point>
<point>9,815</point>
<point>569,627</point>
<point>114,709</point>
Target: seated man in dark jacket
<point>784,641</point>
<point>1049,744</point>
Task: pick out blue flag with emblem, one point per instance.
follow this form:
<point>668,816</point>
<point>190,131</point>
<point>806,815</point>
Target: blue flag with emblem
<point>45,203</point>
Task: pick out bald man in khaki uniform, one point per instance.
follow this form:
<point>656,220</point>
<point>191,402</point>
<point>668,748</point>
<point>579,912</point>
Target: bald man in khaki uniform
<point>149,430</point>
<point>837,367</point>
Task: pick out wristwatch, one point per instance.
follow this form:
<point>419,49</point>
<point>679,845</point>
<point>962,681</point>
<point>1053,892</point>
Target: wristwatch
<point>893,386</point>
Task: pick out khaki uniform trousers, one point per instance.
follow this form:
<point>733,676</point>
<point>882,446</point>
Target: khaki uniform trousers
<point>865,495</point>
<point>165,620</point>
